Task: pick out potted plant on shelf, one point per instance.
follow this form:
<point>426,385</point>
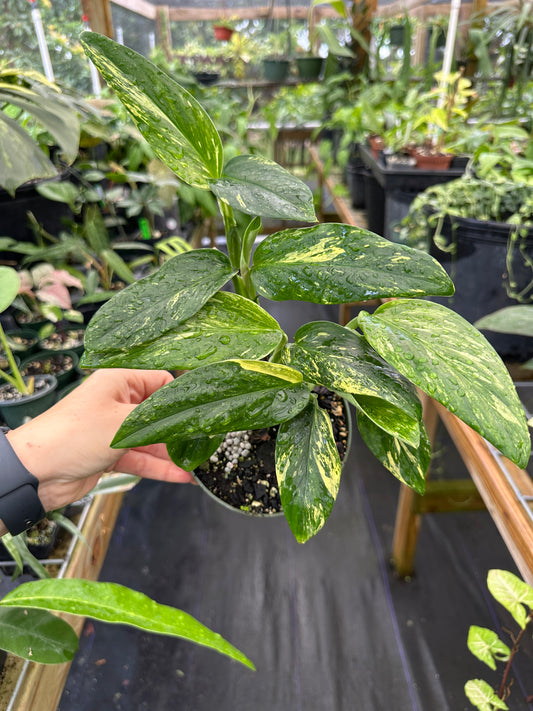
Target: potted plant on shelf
<point>224,29</point>
<point>19,397</point>
<point>480,227</point>
<point>241,372</point>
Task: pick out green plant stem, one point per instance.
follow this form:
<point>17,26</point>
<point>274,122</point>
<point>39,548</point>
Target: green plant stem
<point>233,242</point>
<point>514,650</point>
<point>16,379</point>
<point>276,355</point>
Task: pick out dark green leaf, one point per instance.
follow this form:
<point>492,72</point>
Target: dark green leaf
<point>37,635</point>
<point>308,470</point>
<point>408,464</point>
<point>449,359</point>
<point>512,319</point>
<point>158,303</point>
<point>337,264</point>
<point>341,359</point>
<point>216,399</point>
<point>193,451</point>
<point>258,186</point>
<point>118,265</point>
<point>21,159</point>
<point>117,604</point>
<point>227,326</point>
<point>179,130</point>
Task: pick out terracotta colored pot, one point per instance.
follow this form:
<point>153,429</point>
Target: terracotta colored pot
<point>222,33</point>
<point>437,161</point>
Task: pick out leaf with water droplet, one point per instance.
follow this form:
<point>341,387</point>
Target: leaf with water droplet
<point>466,363</point>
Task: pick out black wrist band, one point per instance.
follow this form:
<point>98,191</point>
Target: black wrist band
<point>20,506</point>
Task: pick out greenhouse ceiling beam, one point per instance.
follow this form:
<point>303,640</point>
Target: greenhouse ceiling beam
<point>422,10</point>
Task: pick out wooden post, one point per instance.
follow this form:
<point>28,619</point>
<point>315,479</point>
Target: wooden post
<point>99,14</point>
<point>163,34</point>
<point>362,13</point>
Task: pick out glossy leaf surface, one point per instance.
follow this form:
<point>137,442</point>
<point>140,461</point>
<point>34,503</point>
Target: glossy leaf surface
<point>117,604</point>
<point>191,452</point>
<point>258,186</point>
<point>37,635</point>
<point>215,399</point>
<point>449,359</point>
<point>337,264</point>
<point>340,359</point>
<point>227,326</point>
<point>157,304</point>
<point>408,464</point>
<point>179,130</point>
<point>308,469</point>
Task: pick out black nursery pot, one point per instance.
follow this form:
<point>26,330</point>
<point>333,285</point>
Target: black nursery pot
<point>252,488</point>
<point>479,270</point>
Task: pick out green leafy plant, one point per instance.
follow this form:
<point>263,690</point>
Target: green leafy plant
<point>29,629</point>
<point>242,373</point>
<point>516,596</point>
<point>9,288</point>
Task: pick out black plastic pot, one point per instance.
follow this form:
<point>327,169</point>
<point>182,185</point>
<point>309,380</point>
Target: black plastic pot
<point>276,70</point>
<point>309,67</point>
<point>479,269</point>
<point>355,180</point>
<point>399,187</point>
<point>15,412</point>
<point>375,204</point>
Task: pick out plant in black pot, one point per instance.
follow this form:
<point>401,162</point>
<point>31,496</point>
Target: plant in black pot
<point>19,397</point>
<point>242,374</point>
<point>480,227</point>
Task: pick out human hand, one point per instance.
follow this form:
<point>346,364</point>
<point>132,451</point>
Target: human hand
<point>67,447</point>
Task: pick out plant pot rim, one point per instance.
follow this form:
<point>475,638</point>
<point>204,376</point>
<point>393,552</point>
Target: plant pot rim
<point>277,514</point>
<point>51,380</point>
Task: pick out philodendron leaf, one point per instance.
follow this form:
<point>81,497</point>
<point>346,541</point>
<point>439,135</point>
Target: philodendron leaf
<point>117,604</point>
<point>483,696</point>
<point>157,304</point>
<point>512,319</point>
<point>215,399</point>
<point>37,635</point>
<point>449,359</point>
<point>258,186</point>
<point>9,286</point>
<point>337,264</point>
<point>511,592</point>
<point>190,453</point>
<point>341,359</point>
<point>308,469</point>
<point>227,326</point>
<point>487,646</point>
<point>408,464</point>
<point>176,126</point>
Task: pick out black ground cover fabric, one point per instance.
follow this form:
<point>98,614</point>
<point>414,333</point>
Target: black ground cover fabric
<point>328,624</point>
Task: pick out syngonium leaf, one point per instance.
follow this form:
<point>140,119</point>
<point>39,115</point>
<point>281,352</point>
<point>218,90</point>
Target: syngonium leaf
<point>222,397</point>
<point>341,360</point>
<point>511,592</point>
<point>487,646</point>
<point>117,604</point>
<point>450,360</point>
<point>408,463</point>
<point>308,470</point>
<point>156,304</point>
<point>258,186</point>
<point>483,696</point>
<point>179,130</point>
<point>337,264</point>
<point>9,287</point>
<point>37,635</point>
<point>227,326</point>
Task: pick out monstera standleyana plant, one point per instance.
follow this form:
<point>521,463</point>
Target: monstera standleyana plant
<point>241,371</point>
